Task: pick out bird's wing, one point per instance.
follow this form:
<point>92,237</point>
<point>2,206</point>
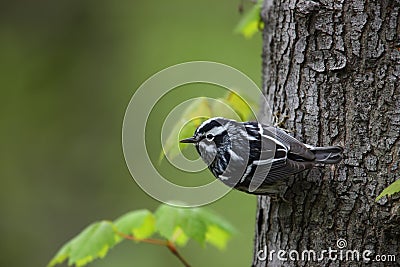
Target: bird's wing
<point>281,155</point>
<point>272,151</point>
<point>272,159</point>
<point>297,151</point>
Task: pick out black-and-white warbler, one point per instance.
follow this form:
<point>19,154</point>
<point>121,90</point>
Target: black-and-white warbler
<point>256,158</point>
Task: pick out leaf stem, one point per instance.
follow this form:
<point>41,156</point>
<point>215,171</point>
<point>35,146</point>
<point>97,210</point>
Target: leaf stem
<point>146,240</point>
<point>174,251</point>
<point>170,245</point>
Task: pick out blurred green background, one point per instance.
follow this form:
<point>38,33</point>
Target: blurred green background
<point>68,71</point>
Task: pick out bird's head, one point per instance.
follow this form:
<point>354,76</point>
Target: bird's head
<point>210,138</point>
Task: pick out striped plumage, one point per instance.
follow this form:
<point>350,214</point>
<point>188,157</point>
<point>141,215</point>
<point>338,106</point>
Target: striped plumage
<point>255,158</point>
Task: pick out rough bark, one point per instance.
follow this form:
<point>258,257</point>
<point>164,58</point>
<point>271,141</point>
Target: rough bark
<point>333,68</point>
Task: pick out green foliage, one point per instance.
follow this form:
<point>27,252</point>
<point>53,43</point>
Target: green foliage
<point>217,237</point>
<point>191,118</point>
<point>390,190</point>
<point>200,110</point>
<point>197,223</point>
<point>140,223</point>
<point>175,225</point>
<point>93,242</point>
<point>251,22</point>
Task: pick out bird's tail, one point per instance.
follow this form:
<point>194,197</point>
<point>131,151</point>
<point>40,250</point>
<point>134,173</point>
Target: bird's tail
<point>327,154</point>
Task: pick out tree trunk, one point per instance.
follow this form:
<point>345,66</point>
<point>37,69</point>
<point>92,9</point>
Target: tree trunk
<point>332,68</point>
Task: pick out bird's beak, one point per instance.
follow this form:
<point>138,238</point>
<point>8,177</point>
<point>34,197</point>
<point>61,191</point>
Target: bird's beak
<point>189,140</point>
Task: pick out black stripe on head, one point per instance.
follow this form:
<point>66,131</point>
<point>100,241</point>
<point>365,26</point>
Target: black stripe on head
<point>208,126</point>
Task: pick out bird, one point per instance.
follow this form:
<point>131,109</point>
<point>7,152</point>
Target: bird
<point>256,158</point>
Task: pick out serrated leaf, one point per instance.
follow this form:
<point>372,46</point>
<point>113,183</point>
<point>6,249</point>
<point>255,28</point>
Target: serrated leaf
<point>61,255</point>
<point>191,118</point>
<point>92,243</point>
<point>167,220</point>
<point>140,223</point>
<point>180,224</point>
<point>194,226</point>
<point>177,225</point>
<point>390,190</point>
<point>251,21</point>
<point>199,224</point>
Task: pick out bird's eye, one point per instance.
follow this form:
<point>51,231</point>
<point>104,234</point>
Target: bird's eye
<point>210,137</point>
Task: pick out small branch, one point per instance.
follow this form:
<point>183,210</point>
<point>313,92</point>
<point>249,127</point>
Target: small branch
<point>170,245</point>
<point>153,241</point>
<point>174,251</point>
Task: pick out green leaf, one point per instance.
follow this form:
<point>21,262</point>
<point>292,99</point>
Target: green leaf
<point>195,229</point>
<point>177,225</point>
<point>179,237</point>
<point>240,106</point>
<point>140,223</point>
<point>93,242</point>
<point>199,224</point>
<point>390,190</point>
<point>219,231</point>
<point>167,220</point>
<point>211,218</point>
<point>251,21</point>
<point>194,226</point>
<point>180,224</point>
<point>61,255</point>
<point>191,118</point>
<point>217,236</point>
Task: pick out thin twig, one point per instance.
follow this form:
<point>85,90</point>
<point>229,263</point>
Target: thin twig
<point>153,241</point>
<point>174,251</point>
<point>170,245</point>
